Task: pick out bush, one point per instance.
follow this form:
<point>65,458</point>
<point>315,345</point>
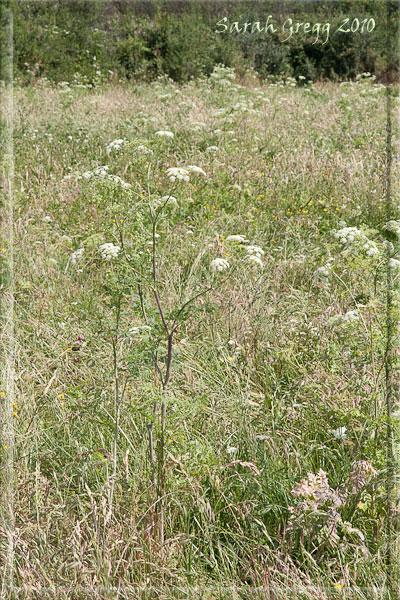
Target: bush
<point>56,40</point>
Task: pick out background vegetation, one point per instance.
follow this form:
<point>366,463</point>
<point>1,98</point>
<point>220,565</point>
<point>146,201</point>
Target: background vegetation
<point>278,365</point>
<point>261,470</point>
<point>137,39</point>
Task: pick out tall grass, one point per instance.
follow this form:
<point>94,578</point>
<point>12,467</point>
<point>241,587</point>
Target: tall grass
<point>267,365</point>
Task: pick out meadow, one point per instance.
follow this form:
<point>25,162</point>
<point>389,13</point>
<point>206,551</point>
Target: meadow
<point>200,276</point>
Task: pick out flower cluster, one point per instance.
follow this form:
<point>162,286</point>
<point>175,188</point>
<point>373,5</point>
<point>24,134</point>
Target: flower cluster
<point>320,500</point>
<point>351,316</point>
<point>318,511</point>
<point>244,106</point>
<point>394,264</point>
<point>240,239</point>
<point>353,238</point>
<point>254,255</point>
<point>178,173</point>
<point>361,472</point>
<point>316,491</point>
<point>109,251</point>
<point>222,76</point>
<point>219,264</point>
<point>141,148</point>
<point>182,173</point>
<point>339,433</point>
<point>321,275</point>
<point>255,250</point>
<point>76,256</point>
<point>115,145</point>
<point>393,227</point>
<point>102,173</point>
<point>167,134</point>
<point>164,201</point>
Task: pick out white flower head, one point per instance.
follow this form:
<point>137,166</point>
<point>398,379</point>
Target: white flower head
<point>109,251</point>
<point>143,149</point>
<point>256,250</point>
<point>321,275</point>
<point>178,173</point>
<point>351,316</point>
<point>255,259</point>
<point>102,173</point>
<point>240,239</point>
<point>167,134</point>
<point>97,172</point>
<point>394,227</point>
<point>115,145</point>
<point>394,264</point>
<point>219,264</point>
<point>76,256</point>
<point>119,181</point>
<point>165,200</point>
<point>355,240</point>
<point>194,169</point>
<point>339,433</point>
<point>347,234</point>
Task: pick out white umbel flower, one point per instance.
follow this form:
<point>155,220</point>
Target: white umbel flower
<point>194,169</point>
<point>394,227</point>
<point>171,200</point>
<point>370,248</point>
<point>97,172</point>
<point>255,259</point>
<point>321,275</point>
<point>115,145</point>
<point>178,173</point>
<point>346,235</point>
<point>240,239</point>
<point>167,134</point>
<point>109,251</point>
<point>143,149</point>
<point>256,250</point>
<point>355,240</point>
<point>351,316</point>
<point>339,433</point>
<point>119,181</point>
<point>394,264</point>
<point>76,256</point>
<point>219,264</point>
<point>102,173</point>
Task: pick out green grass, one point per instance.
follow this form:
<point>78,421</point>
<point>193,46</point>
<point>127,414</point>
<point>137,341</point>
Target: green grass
<point>242,427</point>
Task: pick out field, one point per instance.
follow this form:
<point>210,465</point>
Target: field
<point>200,278</point>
